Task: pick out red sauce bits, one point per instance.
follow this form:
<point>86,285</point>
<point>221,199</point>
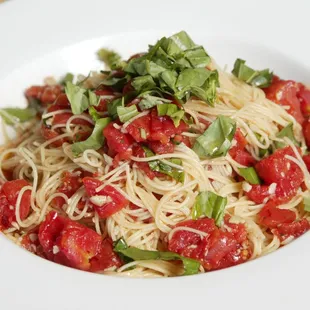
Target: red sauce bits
<point>8,197</point>
<point>219,248</point>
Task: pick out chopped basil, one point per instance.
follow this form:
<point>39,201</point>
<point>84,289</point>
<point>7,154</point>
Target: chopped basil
<point>250,175</point>
<point>112,106</point>
<point>210,205</point>
<point>93,113</point>
<point>149,101</point>
<point>80,98</point>
<point>191,266</point>
<point>171,110</point>
<point>286,132</point>
<point>253,77</point>
<point>67,78</point>
<point>143,83</point>
<point>12,116</point>
<point>95,141</point>
<point>159,166</point>
<point>216,140</point>
<point>110,58</point>
<point>307,203</point>
<point>126,113</point>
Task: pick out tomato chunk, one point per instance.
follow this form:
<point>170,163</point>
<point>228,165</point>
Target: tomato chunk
<point>144,166</point>
<point>295,229</point>
<point>239,153</point>
<point>46,94</point>
<point>69,243</point>
<point>278,169</point>
<point>306,131</point>
<point>107,201</point>
<point>106,97</point>
<point>140,129</point>
<point>8,198</point>
<point>159,148</point>
<point>258,193</point>
<point>304,98</point>
<point>285,93</point>
<point>219,248</point>
<point>306,159</point>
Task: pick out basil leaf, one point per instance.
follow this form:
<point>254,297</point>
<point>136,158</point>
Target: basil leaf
<point>286,132</point>
<point>307,203</point>
<point>143,83</point>
<point>211,205</point>
<point>171,110</point>
<point>112,106</point>
<point>12,116</point>
<point>159,166</point>
<point>93,113</point>
<point>250,175</point>
<point>190,266</point>
<point>149,101</point>
<point>77,98</point>
<point>253,77</point>
<point>126,113</point>
<point>183,40</point>
<point>110,58</point>
<point>67,78</point>
<point>93,99</point>
<point>216,140</point>
<point>95,141</point>
<point>197,57</point>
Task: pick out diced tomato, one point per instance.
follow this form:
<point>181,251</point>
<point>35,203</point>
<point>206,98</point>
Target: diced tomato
<point>276,168</point>
<point>220,248</point>
<point>107,95</point>
<point>63,118</point>
<point>285,93</point>
<point>8,197</point>
<point>31,243</point>
<point>117,141</point>
<point>239,153</point>
<point>294,229</point>
<point>46,94</point>
<point>271,216</point>
<point>62,101</point>
<point>144,166</point>
<point>162,128</point>
<point>304,98</point>
<point>110,200</point>
<point>140,129</point>
<point>69,243</point>
<point>182,139</point>
<point>306,131</point>
<point>160,148</point>
<point>127,88</point>
<point>258,193</point>
<point>49,134</point>
<point>306,159</point>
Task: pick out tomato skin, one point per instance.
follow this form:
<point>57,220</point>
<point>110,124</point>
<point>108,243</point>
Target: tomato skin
<point>46,94</point>
<point>160,148</point>
<point>219,249</point>
<point>31,243</point>
<point>8,197</point>
<point>117,141</point>
<point>306,159</point>
<point>182,139</point>
<point>258,193</point>
<point>49,134</point>
<point>117,203</point>
<point>282,171</point>
<point>304,98</point>
<point>285,93</point>
<point>295,229</point>
<point>306,131</point>
<point>134,128</point>
<point>144,166</point>
<point>63,118</point>
<point>102,107</point>
<point>239,153</point>
<point>72,244</point>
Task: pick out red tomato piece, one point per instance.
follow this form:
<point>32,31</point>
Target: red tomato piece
<point>117,141</point>
<point>31,243</point>
<point>49,134</point>
<point>8,198</point>
<point>304,98</point>
<point>258,193</point>
<point>144,166</point>
<point>109,200</point>
<point>141,125</point>
<point>276,168</point>
<point>46,94</point>
<point>63,118</point>
<point>182,139</point>
<point>107,96</point>
<point>159,148</point>
<point>306,159</point>
<point>69,243</point>
<point>294,229</point>
<point>239,153</point>
<point>285,93</point>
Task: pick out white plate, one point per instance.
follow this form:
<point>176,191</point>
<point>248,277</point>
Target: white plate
<point>68,34</point>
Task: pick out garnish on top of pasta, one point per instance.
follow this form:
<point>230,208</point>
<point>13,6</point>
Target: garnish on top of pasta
<point>161,165</point>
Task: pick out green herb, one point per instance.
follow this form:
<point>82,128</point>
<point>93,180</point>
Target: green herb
<point>253,77</point>
<point>210,205</point>
<point>112,106</point>
<point>216,140</point>
<point>95,141</point>
<point>149,101</point>
<point>143,83</point>
<point>171,110</point>
<point>190,266</point>
<point>159,166</point>
<point>80,98</point>
<point>126,113</point>
<point>110,58</point>
<point>307,203</point>
<point>250,175</point>
<point>67,78</point>
<point>11,116</point>
<point>93,113</point>
<point>286,132</point>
